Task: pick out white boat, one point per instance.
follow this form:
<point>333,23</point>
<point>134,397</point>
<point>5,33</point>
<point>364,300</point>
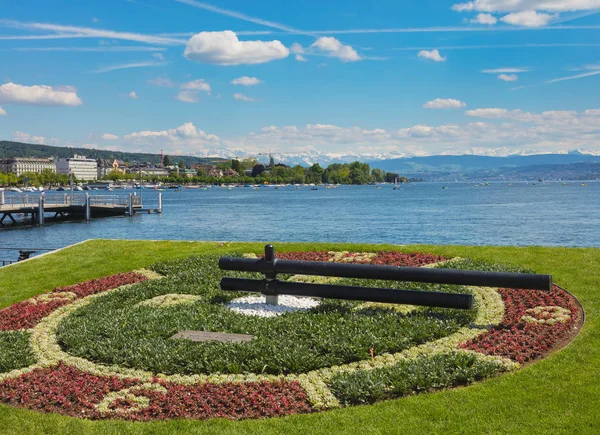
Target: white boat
<point>15,189</point>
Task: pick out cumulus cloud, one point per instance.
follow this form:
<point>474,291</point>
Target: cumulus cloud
<point>197,85</point>
<point>187,97</point>
<point>484,19</point>
<point>335,48</point>
<point>527,19</point>
<point>2,111</point>
<point>246,81</point>
<point>508,77</point>
<point>39,95</point>
<point>301,58</point>
<point>432,55</point>
<point>162,81</point>
<point>20,136</point>
<point>224,48</point>
<point>186,130</point>
<point>108,136</point>
<point>523,5</point>
<point>441,103</point>
<point>187,138</point>
<point>297,48</point>
<point>133,95</point>
<point>241,97</point>
<point>190,91</point>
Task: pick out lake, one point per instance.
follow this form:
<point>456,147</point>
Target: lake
<point>547,214</point>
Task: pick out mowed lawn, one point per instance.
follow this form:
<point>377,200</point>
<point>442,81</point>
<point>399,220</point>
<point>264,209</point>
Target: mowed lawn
<point>560,394</point>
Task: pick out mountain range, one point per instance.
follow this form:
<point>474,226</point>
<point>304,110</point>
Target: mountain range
<point>430,168</point>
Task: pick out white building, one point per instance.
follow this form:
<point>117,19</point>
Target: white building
<point>20,165</point>
<point>81,167</point>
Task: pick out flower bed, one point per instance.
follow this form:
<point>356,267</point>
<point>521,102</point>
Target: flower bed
<point>26,314</point>
<point>534,322</point>
<point>70,391</point>
<point>102,349</point>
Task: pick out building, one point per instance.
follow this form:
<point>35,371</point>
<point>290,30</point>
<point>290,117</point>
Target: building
<point>230,173</point>
<point>105,166</point>
<point>80,166</point>
<point>149,171</point>
<point>216,173</point>
<point>20,165</point>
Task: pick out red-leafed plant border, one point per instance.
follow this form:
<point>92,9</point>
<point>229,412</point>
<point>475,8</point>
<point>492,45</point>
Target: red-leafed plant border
<point>523,340</point>
<point>67,390</point>
<point>383,258</point>
<point>26,314</point>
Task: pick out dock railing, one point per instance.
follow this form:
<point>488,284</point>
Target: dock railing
<point>65,199</point>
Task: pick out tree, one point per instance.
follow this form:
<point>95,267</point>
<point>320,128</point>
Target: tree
<point>258,170</point>
<point>166,161</point>
<point>271,162</point>
<point>237,166</point>
<point>314,174</point>
<point>181,164</point>
<point>378,175</point>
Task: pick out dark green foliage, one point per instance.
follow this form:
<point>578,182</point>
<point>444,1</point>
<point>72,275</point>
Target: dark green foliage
<point>15,352</point>
<point>411,376</point>
<point>18,149</point>
<point>112,330</point>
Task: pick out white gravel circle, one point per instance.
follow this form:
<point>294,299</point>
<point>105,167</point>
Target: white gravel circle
<point>257,306</point>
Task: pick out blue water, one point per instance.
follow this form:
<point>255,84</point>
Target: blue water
<point>548,214</point>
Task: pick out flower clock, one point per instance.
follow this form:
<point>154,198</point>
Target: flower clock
<point>110,348</point>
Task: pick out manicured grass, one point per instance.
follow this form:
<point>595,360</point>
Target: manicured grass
<point>560,394</point>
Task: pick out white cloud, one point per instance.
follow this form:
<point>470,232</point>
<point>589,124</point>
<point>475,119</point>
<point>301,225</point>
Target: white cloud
<point>527,19</point>
<point>301,58</point>
<point>297,48</point>
<point>197,85</point>
<point>20,136</point>
<point>448,103</point>
<point>574,77</point>
<point>224,48</point>
<point>133,95</point>
<point>190,91</point>
<point>158,56</point>
<point>431,55</point>
<point>87,32</point>
<point>335,48</point>
<point>241,97</point>
<point>108,136</point>
<point>506,70</point>
<point>246,81</point>
<point>186,138</point>
<point>2,112</point>
<point>142,64</point>
<point>162,81</point>
<point>39,95</point>
<point>508,77</point>
<point>187,97</point>
<point>485,19</point>
<point>523,5</point>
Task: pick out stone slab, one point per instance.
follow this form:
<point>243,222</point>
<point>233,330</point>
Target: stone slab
<point>213,336</point>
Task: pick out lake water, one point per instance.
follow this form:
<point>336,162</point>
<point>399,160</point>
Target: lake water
<point>499,214</point>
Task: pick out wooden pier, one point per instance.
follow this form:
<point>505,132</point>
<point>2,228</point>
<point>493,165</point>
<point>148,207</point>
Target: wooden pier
<point>77,204</point>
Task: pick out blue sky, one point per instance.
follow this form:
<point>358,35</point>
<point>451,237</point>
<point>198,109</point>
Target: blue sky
<point>393,78</point>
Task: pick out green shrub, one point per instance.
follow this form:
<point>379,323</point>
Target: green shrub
<point>15,352</point>
<point>411,377</point>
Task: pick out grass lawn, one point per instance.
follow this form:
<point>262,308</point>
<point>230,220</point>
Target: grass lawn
<point>560,394</point>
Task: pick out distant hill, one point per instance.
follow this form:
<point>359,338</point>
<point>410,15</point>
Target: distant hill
<point>18,149</point>
<point>469,163</point>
